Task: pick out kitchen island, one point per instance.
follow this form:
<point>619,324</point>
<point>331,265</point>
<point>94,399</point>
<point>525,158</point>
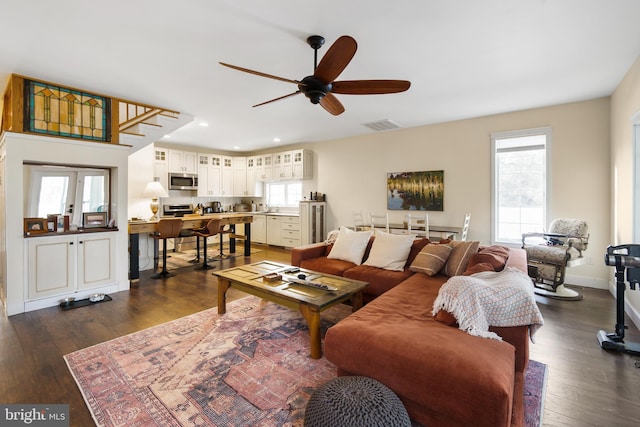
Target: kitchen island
<point>148,227</point>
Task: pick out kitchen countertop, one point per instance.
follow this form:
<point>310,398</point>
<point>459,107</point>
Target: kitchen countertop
<point>282,213</point>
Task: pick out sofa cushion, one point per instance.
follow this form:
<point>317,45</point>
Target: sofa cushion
<point>325,265</point>
<point>350,245</point>
<point>459,258</point>
<point>380,281</point>
<point>389,251</point>
<point>431,259</point>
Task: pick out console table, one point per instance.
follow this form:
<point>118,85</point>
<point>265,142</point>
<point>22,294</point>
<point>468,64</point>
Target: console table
<point>147,227</point>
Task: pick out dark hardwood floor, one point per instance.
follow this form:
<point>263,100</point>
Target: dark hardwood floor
<point>586,385</point>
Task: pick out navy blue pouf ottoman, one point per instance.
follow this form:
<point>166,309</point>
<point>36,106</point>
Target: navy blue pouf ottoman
<point>353,401</point>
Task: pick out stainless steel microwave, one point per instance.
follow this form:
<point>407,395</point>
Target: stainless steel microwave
<point>183,181</point>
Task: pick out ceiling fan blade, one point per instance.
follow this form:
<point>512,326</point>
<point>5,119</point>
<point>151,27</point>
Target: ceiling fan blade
<point>278,99</point>
<point>258,73</point>
<point>331,104</point>
<point>369,87</point>
<point>336,59</point>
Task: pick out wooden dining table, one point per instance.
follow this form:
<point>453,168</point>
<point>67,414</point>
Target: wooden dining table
<point>147,227</point>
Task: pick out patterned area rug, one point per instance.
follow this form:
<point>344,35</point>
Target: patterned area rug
<point>186,258</point>
<point>248,367</point>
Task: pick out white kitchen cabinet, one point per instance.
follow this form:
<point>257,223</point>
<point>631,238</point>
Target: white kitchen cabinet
<point>254,185</point>
<point>240,177</point>
<point>295,164</point>
<point>244,178</point>
<point>274,230</point>
<point>290,231</point>
<point>96,260</point>
<point>215,175</point>
<point>283,230</point>
<point>302,164</point>
<point>183,161</point>
<point>59,265</point>
<point>161,166</point>
<point>313,221</point>
<point>282,166</point>
<point>209,175</point>
<point>227,176</point>
<point>264,167</point>
<point>259,229</point>
<point>51,266</point>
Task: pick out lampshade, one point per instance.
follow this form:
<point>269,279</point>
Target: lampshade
<point>154,189</point>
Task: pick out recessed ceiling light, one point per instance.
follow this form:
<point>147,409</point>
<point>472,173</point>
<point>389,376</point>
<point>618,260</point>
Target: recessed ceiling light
<point>167,136</point>
<point>276,139</point>
<point>204,124</point>
<point>236,147</point>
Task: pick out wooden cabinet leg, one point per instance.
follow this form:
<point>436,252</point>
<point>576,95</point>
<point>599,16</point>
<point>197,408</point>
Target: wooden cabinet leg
<point>223,286</point>
<point>312,317</point>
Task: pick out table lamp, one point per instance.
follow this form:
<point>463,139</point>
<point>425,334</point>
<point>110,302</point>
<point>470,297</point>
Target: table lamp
<point>154,190</point>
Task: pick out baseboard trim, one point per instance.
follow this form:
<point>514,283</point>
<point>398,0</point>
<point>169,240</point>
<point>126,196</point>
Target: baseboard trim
<point>587,282</point>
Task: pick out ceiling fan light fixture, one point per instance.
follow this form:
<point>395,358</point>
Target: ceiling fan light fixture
<point>321,86</point>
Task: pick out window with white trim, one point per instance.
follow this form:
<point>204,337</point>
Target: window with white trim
<point>520,183</point>
<point>284,194</point>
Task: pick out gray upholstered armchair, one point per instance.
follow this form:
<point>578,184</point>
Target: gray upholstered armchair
<point>548,255</point>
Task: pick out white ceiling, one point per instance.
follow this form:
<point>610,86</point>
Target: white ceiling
<point>464,58</point>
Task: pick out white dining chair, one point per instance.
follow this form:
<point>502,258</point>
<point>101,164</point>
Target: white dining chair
<point>418,224</point>
<point>379,221</point>
<point>358,221</point>
<point>465,227</point>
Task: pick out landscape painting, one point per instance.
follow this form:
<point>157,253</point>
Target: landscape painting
<point>415,191</point>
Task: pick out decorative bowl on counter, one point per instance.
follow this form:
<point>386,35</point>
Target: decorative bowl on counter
<point>96,297</point>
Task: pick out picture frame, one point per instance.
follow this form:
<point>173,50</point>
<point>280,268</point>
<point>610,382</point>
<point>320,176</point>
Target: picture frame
<point>421,191</point>
<point>94,219</point>
<point>35,226</point>
<point>52,222</point>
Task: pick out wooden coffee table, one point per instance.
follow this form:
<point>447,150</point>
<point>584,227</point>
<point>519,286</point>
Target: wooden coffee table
<point>311,301</point>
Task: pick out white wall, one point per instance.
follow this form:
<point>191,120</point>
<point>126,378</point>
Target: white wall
<point>353,172</point>
<point>625,105</point>
<point>19,148</point>
<point>140,174</point>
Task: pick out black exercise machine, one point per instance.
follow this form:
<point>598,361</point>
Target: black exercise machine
<point>622,257</point>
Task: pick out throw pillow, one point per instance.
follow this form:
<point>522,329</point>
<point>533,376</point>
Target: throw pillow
<point>416,247</point>
<point>459,258</point>
<point>431,259</point>
<point>495,255</point>
<point>389,251</point>
<point>478,268</point>
<point>350,245</point>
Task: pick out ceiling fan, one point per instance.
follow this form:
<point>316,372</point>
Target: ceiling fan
<point>320,86</point>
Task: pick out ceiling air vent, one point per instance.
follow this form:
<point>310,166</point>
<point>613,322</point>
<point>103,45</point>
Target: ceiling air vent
<point>384,124</point>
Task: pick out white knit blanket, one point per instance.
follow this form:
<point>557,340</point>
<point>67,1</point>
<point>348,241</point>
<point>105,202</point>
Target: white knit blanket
<point>501,299</point>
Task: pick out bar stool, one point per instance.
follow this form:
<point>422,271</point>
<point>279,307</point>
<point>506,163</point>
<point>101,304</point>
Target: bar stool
<point>212,228</point>
<point>190,232</point>
<point>166,229</point>
<point>222,232</point>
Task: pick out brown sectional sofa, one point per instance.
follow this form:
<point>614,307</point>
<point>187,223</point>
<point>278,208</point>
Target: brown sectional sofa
<point>444,376</point>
